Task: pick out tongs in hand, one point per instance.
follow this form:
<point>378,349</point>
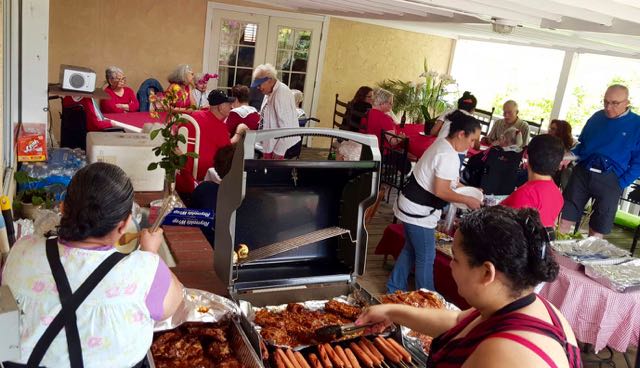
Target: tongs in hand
<point>334,332</point>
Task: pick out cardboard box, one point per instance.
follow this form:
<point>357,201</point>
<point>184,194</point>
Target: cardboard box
<point>32,142</point>
<point>132,152</point>
<point>9,325</point>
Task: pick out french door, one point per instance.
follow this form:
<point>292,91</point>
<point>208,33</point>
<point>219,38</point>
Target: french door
<point>241,41</point>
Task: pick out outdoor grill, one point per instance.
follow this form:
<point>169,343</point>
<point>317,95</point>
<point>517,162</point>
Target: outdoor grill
<point>301,220</point>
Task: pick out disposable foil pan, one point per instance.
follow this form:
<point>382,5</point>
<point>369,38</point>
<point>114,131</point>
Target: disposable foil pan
<point>624,277</point>
<point>199,306</point>
<point>591,251</point>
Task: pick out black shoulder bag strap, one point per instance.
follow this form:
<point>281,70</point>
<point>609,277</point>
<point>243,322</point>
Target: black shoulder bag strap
<point>70,302</point>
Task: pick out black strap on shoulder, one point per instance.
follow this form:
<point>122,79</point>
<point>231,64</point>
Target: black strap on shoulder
<point>65,293</point>
<point>70,303</point>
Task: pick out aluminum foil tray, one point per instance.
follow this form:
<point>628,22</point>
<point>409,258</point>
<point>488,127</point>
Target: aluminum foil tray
<point>624,277</point>
<point>591,251</point>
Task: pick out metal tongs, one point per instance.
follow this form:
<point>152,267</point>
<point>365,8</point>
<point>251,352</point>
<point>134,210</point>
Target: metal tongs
<point>168,205</point>
<point>334,332</point>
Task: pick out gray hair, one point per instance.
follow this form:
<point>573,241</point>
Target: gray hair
<point>381,96</point>
<point>265,70</point>
<point>298,96</point>
<point>179,74</point>
<point>510,102</point>
<point>111,72</point>
<point>621,87</point>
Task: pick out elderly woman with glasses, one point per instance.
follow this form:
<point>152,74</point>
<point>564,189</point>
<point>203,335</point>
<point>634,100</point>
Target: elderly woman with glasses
<point>182,80</point>
<point>122,98</point>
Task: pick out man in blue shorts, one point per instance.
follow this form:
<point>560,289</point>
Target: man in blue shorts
<point>608,161</point>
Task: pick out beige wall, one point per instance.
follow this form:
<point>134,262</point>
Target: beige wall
<point>363,54</point>
<point>1,93</point>
<point>147,38</point>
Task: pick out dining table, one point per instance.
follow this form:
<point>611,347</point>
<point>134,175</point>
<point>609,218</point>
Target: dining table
<point>418,141</point>
<point>134,121</point>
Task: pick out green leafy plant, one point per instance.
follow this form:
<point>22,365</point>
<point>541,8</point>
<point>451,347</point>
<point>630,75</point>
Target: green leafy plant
<point>36,197</point>
<point>172,159</point>
<point>420,100</point>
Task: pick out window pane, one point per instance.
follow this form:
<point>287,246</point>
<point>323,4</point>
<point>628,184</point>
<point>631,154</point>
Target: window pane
<point>285,38</point>
<point>245,56</point>
<point>496,72</point>
<point>302,40</point>
<point>231,31</point>
<point>285,78</point>
<point>226,55</point>
<point>299,62</point>
<point>297,81</point>
<point>283,60</point>
<point>591,75</point>
<point>225,77</point>
<point>243,76</point>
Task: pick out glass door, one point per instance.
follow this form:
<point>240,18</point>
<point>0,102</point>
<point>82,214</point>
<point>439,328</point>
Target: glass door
<point>238,46</point>
<point>292,48</point>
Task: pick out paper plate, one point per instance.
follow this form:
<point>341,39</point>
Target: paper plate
<point>471,192</point>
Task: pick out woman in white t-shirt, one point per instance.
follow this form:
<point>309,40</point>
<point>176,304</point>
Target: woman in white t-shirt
<point>430,187</point>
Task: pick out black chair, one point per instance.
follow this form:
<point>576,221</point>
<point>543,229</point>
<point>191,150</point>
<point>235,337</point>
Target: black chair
<point>395,164</point>
<point>534,126</point>
<point>500,172</point>
<point>73,127</point>
<point>484,117</point>
<point>633,197</point>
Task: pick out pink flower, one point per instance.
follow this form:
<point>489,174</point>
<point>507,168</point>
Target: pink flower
<point>94,341</point>
<point>114,291</point>
<point>131,289</point>
<point>38,286</point>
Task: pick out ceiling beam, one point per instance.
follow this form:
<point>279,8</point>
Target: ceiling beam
<point>618,26</point>
<point>330,5</point>
<point>625,12</point>
<point>421,7</point>
<point>472,7</point>
<point>522,8</point>
<point>563,10</point>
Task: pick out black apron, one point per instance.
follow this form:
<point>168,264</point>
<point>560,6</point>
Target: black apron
<point>70,302</point>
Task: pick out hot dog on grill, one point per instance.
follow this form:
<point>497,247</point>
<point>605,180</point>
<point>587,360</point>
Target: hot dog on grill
<point>364,357</point>
<point>303,363</point>
<point>371,356</point>
<point>352,358</point>
<point>342,356</point>
<point>284,358</point>
<point>278,360</point>
<point>372,348</point>
<point>333,356</point>
<point>400,350</point>
<point>292,358</point>
<point>314,361</point>
<point>387,351</point>
<point>323,357</point>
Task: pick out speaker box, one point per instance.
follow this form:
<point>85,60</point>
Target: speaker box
<point>77,78</point>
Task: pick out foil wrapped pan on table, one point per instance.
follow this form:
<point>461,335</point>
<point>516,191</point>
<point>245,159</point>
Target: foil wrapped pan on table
<point>591,251</point>
<point>199,306</point>
<point>623,277</point>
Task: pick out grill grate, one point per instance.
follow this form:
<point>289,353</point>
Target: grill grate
<point>293,243</point>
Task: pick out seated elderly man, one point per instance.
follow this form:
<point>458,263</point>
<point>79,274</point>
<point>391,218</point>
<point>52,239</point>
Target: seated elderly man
<point>511,119</point>
<point>278,111</point>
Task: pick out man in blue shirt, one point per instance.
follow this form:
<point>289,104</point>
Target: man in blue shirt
<point>608,161</point>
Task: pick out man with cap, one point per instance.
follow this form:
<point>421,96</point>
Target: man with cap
<point>213,136</point>
<point>278,111</point>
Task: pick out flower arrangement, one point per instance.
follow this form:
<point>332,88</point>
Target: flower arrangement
<point>172,159</point>
<point>421,100</point>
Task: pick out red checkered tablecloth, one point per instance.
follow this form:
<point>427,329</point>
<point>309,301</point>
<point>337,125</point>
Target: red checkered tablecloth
<point>598,315</point>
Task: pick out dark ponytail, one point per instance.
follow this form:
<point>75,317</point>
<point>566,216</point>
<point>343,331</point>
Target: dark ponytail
<point>99,196</point>
<point>467,102</point>
<point>514,241</point>
<point>462,122</point>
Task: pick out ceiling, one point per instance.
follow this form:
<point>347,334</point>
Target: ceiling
<point>609,27</point>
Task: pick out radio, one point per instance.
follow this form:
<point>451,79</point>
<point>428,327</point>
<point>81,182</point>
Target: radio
<point>77,78</point>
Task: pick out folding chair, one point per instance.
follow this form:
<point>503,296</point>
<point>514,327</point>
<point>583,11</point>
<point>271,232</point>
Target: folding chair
<point>395,164</point>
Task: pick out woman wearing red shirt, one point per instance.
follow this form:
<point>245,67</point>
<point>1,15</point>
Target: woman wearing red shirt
<point>123,99</point>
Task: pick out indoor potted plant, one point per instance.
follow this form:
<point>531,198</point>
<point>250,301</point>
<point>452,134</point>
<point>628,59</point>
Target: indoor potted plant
<point>31,198</point>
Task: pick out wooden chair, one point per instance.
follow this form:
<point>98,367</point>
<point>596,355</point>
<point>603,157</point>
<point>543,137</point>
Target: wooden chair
<point>484,117</point>
<point>534,126</point>
<point>395,164</point>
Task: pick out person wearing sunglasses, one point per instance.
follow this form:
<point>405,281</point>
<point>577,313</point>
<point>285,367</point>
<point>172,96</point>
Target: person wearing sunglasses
<point>608,161</point>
